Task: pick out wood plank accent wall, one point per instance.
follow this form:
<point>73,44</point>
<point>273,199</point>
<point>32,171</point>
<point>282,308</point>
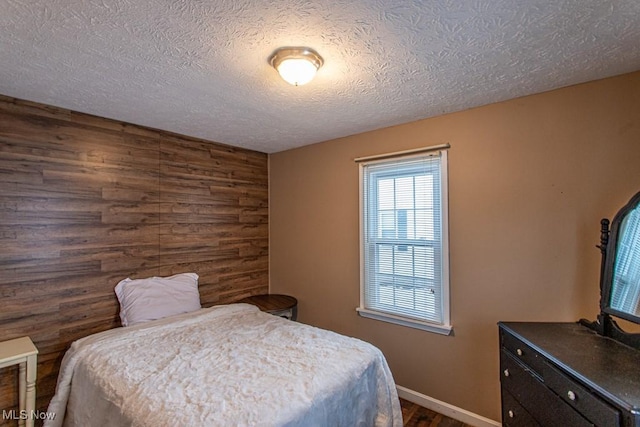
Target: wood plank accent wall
<point>87,201</point>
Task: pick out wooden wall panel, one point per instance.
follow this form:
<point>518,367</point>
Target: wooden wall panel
<point>86,202</point>
<point>212,215</point>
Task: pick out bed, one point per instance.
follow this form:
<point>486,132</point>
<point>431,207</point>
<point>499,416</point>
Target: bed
<point>220,366</point>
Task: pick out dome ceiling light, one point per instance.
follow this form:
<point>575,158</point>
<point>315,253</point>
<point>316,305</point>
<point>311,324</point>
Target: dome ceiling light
<point>296,65</point>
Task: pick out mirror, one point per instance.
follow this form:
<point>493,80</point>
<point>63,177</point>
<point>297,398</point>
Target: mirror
<point>625,281</point>
<point>620,274</point>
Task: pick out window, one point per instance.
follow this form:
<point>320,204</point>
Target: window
<point>404,240</point>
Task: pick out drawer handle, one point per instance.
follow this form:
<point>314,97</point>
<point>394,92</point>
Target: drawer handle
<point>511,414</point>
<point>506,372</point>
<point>519,352</point>
<point>571,395</point>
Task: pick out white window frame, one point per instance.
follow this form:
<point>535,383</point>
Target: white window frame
<point>444,327</point>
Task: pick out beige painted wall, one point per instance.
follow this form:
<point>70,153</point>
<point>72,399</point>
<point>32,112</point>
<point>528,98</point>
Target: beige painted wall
<point>529,181</point>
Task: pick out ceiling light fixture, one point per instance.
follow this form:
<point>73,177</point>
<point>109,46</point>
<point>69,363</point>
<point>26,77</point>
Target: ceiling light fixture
<point>296,65</point>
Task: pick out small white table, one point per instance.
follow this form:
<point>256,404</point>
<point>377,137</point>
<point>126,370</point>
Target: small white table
<point>22,352</point>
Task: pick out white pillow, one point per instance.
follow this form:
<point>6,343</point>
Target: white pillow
<point>154,298</point>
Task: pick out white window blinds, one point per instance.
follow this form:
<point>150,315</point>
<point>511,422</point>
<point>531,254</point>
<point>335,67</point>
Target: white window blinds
<point>403,230</point>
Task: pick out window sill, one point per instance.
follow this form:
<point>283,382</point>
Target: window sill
<point>403,321</point>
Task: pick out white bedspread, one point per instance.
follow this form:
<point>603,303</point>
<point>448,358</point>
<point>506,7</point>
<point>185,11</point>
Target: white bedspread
<point>224,366</point>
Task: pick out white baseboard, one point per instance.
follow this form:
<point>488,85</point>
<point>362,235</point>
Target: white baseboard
<point>445,408</point>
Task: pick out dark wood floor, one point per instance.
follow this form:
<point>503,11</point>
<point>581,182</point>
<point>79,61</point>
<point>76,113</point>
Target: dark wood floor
<point>417,416</point>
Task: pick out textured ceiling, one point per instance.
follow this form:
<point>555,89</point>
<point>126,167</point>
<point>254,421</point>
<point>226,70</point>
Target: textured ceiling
<point>200,67</point>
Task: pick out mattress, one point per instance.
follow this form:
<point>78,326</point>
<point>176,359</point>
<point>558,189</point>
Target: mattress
<point>229,365</point>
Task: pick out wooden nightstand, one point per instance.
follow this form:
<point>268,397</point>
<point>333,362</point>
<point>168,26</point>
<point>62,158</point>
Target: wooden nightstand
<point>276,304</point>
<point>22,352</point>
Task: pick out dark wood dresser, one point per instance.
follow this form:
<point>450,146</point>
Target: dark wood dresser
<point>566,375</point>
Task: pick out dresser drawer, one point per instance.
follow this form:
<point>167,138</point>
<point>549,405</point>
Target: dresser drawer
<point>523,352</point>
<point>577,396</point>
<point>539,401</point>
<point>513,414</point>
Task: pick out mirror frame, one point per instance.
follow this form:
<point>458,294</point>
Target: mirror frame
<point>605,324</point>
<point>610,260</point>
